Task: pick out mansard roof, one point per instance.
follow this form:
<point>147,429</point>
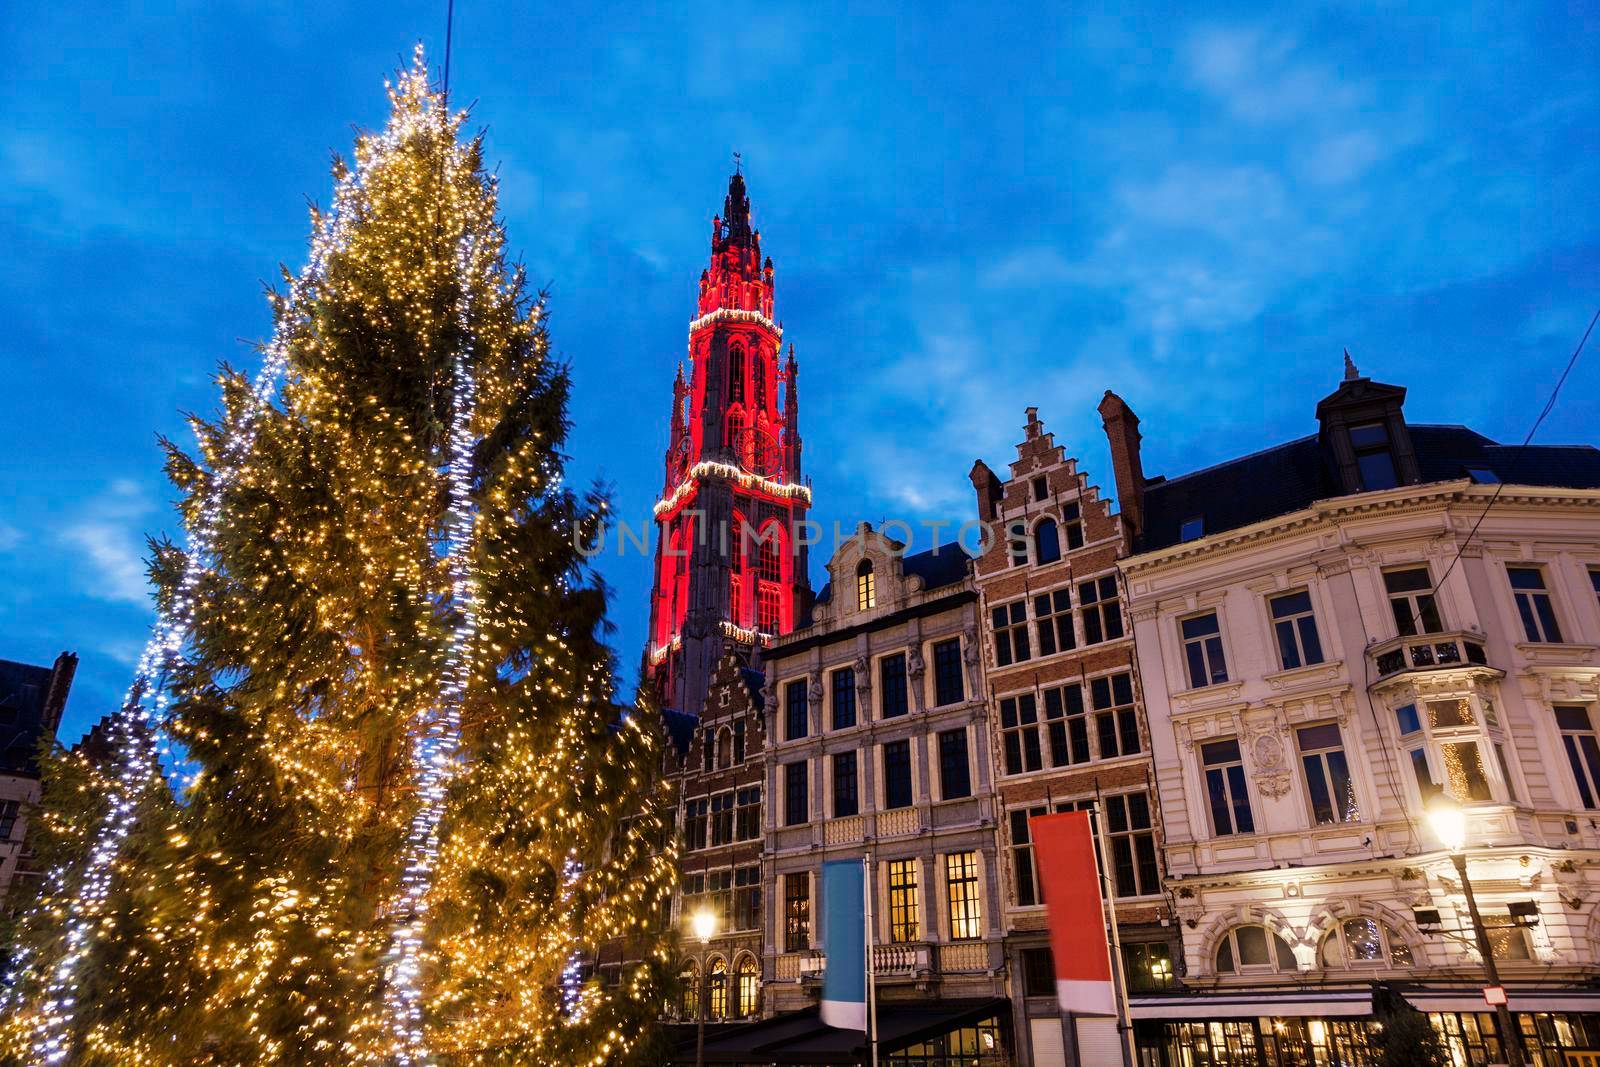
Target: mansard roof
<point>1294,475</point>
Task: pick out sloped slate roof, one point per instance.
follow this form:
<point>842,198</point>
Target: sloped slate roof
<point>680,727</point>
<point>23,689</point>
<point>1294,475</point>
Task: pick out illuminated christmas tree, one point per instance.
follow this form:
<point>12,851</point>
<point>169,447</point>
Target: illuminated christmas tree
<point>412,807</point>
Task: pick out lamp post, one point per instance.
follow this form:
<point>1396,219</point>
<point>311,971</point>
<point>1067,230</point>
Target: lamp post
<point>1450,826</point>
<point>705,925</point>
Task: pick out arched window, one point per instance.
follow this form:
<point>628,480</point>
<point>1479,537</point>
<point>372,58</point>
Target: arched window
<point>1254,949</point>
<point>747,987</point>
<point>724,748</point>
<point>736,593</point>
<point>735,429</point>
<point>717,994</point>
<point>771,591</point>
<point>1364,942</point>
<point>758,382</point>
<point>689,994</point>
<point>1046,542</point>
<point>736,375</point>
<point>866,586</point>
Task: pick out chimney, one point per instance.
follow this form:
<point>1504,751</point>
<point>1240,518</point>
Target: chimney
<point>989,489</point>
<point>1122,432</point>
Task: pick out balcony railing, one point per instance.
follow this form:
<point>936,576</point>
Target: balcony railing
<point>1429,652</point>
<point>907,960</point>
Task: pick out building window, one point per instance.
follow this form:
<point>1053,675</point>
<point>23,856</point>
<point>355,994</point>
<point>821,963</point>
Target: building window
<point>694,824</point>
<point>1072,523</point>
<point>1332,793</point>
<point>903,920</point>
<point>1130,838</point>
<point>1041,489</point>
<point>1533,604</point>
<point>897,774</point>
<point>1364,942</point>
<point>722,819</point>
<point>1577,737</point>
<point>1018,545</point>
<point>1230,802</point>
<point>9,812</point>
<point>736,375</point>
<point>1374,460</point>
<point>1022,855</point>
<point>1019,731</point>
<point>738,740</point>
<point>796,715</point>
<point>866,586</point>
<point>949,686</point>
<point>1594,580</point>
<point>796,804</point>
<point>1038,973</point>
<point>796,912</point>
<point>1508,942</point>
<point>1254,948</point>
<point>725,748</point>
<point>1068,724</point>
<point>1414,741</point>
<point>747,987</point>
<point>846,800</point>
<point>690,979</point>
<point>747,898</point>
<point>1102,613</point>
<point>1411,600</point>
<point>955,775</point>
<point>1296,628</point>
<point>844,697</point>
<point>708,749</point>
<point>1148,965</point>
<point>1052,621</point>
<point>961,884</point>
<point>1011,633</point>
<point>747,814</point>
<point>1202,650</point>
<point>1192,529</point>
<point>892,702</point>
<point>1116,723</point>
<point>717,987</point>
<point>1046,542</point>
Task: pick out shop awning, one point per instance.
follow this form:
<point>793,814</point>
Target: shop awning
<point>801,1037</point>
<point>1524,999</point>
<point>1253,1003</point>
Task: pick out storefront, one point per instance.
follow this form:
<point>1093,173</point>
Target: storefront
<point>1335,1027</point>
<point>938,1033</point>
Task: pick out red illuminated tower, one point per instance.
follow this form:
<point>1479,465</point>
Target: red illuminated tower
<point>730,558</point>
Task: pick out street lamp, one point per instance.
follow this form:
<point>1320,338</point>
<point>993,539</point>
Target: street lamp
<point>1449,824</point>
<point>704,924</point>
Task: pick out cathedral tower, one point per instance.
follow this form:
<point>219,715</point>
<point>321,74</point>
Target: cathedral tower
<point>730,566</point>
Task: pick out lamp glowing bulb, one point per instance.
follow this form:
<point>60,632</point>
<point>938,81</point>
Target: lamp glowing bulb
<point>1449,822</point>
<point>704,924</point>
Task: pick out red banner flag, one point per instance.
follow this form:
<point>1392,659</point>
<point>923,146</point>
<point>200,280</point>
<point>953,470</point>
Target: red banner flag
<point>1069,880</point>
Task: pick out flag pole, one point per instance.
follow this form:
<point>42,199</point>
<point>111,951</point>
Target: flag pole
<point>872,985</point>
<point>1108,894</point>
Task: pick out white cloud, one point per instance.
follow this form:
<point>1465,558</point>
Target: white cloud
<point>1261,77</point>
<point>110,543</point>
<point>10,537</point>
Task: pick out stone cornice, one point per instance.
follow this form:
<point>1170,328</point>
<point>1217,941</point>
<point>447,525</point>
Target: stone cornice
<point>1403,500</point>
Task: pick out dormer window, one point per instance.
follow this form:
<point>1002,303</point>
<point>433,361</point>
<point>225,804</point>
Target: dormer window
<point>1192,529</point>
<point>866,586</point>
<point>1374,457</point>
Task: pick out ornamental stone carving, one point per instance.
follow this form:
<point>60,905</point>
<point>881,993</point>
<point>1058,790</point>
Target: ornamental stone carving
<point>1269,756</point>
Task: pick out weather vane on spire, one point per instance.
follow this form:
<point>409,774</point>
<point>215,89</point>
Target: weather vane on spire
<point>737,165</point>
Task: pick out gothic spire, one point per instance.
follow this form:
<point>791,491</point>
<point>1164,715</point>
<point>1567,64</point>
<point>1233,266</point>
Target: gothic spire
<point>736,214</point>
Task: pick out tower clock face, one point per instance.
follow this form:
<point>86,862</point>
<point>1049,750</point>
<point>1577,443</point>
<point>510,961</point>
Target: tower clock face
<point>759,452</point>
<point>680,458</point>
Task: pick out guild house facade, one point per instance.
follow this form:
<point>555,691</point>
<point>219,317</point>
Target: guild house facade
<point>1331,633</point>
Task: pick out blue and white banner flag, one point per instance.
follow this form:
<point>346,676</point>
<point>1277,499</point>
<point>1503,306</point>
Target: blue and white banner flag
<point>844,941</point>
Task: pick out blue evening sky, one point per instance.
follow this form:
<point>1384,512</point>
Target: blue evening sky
<point>971,210</point>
